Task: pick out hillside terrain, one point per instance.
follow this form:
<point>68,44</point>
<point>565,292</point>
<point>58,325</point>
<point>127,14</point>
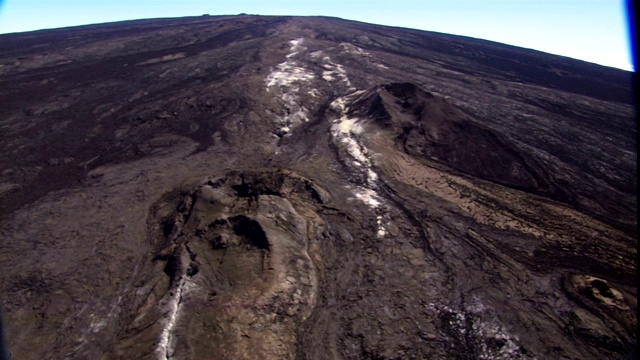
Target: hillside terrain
<point>248,187</point>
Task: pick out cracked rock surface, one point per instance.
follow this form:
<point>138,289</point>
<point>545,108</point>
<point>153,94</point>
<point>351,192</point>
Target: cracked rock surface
<point>246,187</point>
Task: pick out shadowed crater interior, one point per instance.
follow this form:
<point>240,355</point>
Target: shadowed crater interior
<point>251,231</point>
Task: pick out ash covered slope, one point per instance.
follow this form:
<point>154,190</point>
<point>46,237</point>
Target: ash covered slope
<point>278,187</point>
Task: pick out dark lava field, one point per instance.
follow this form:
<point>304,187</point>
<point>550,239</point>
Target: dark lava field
<point>248,187</point>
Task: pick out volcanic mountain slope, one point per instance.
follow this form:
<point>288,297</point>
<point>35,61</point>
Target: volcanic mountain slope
<point>248,187</point>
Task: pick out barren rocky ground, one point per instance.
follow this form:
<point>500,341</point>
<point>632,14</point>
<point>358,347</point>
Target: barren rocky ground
<point>247,187</point>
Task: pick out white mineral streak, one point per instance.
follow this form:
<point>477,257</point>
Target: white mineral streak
<point>287,74</point>
<point>97,325</point>
<point>350,48</point>
<point>354,50</point>
<point>316,54</point>
<point>286,78</point>
<point>164,349</point>
<point>381,230</point>
<point>484,331</point>
<point>369,197</point>
<point>333,71</point>
<point>296,46</point>
<point>346,132</point>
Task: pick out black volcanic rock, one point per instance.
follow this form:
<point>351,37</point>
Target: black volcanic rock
<point>427,125</point>
<point>245,187</point>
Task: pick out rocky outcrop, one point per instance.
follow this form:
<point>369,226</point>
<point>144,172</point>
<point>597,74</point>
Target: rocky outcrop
<point>427,125</point>
<point>232,272</point>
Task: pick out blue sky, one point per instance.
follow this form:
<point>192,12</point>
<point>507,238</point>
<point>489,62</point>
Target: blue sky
<point>591,30</point>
